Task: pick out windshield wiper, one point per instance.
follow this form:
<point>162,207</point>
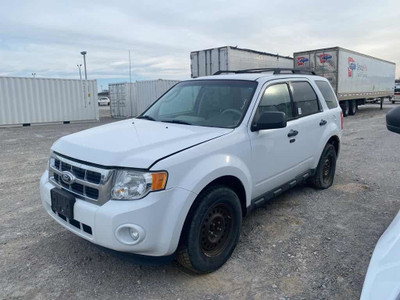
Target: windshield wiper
<point>146,118</point>
<point>176,122</point>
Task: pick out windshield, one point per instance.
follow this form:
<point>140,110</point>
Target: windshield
<point>213,103</point>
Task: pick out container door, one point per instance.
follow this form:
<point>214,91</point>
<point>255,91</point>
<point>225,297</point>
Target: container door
<point>326,65</point>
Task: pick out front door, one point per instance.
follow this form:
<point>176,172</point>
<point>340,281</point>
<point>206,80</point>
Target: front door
<point>276,153</point>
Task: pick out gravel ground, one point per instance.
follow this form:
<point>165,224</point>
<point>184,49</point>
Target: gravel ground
<point>305,244</point>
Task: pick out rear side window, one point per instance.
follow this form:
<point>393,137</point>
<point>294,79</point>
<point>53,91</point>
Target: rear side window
<point>304,98</point>
<point>276,98</point>
<point>327,92</point>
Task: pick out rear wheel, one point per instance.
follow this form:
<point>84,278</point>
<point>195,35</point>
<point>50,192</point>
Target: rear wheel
<point>352,107</point>
<point>212,230</point>
<point>325,172</point>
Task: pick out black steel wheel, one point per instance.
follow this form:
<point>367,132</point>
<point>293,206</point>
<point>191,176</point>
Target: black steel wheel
<point>211,230</point>
<point>325,172</point>
<point>216,229</point>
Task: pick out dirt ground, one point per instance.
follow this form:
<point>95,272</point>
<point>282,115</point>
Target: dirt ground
<point>305,244</point>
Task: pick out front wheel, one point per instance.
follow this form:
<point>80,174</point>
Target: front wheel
<point>325,172</point>
<point>212,230</point>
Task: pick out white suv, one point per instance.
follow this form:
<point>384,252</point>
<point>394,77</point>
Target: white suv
<point>180,177</point>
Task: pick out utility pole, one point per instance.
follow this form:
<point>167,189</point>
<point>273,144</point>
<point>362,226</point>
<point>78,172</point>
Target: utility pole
<point>130,67</point>
<point>84,63</point>
<point>82,85</point>
<point>130,87</point>
<point>85,88</point>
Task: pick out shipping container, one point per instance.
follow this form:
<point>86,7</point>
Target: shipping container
<point>355,77</point>
<point>25,101</point>
<point>131,99</point>
<point>209,61</point>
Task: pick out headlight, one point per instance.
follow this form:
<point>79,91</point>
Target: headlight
<point>130,184</point>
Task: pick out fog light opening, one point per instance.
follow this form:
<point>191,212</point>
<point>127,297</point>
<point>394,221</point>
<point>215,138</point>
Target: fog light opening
<point>130,234</point>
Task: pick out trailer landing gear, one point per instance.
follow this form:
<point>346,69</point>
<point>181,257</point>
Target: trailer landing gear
<point>352,107</point>
<point>345,108</point>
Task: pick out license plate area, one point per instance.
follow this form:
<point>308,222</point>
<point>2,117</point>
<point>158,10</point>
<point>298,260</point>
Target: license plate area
<point>62,202</point>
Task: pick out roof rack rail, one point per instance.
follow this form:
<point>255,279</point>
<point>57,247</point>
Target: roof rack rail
<point>262,70</point>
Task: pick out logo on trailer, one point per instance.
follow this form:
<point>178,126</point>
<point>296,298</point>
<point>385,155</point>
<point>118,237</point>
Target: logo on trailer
<point>351,66</point>
<point>67,177</point>
<point>324,57</point>
<point>302,60</point>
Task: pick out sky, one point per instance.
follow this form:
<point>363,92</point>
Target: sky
<point>46,37</point>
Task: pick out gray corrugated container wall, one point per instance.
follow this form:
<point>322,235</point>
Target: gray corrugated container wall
<point>46,100</point>
<point>131,99</point>
<point>207,62</point>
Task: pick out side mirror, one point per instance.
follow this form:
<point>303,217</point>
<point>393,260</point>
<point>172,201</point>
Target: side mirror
<point>393,120</point>
<point>270,120</point>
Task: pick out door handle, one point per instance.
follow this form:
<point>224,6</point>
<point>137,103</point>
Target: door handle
<point>323,122</point>
<point>292,133</point>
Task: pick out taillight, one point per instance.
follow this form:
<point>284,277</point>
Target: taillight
<point>341,120</point>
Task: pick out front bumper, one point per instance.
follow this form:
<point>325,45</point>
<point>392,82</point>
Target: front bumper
<point>161,215</point>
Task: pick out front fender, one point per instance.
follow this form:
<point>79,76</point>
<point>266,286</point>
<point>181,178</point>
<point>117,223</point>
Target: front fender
<point>195,175</point>
<point>222,165</point>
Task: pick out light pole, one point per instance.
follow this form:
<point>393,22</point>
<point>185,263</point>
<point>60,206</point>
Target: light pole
<point>80,71</point>
<point>84,62</point>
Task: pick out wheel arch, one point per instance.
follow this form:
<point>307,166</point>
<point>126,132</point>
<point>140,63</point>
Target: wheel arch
<point>335,141</point>
<point>229,181</point>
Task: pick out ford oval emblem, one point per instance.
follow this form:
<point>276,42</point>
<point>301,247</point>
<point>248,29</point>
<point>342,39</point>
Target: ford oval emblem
<point>67,177</point>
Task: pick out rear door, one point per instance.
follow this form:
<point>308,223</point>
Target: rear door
<point>311,120</point>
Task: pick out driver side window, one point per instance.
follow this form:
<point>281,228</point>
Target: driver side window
<point>276,98</point>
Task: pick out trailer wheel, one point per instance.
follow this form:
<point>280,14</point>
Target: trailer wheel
<point>345,108</point>
<point>352,107</point>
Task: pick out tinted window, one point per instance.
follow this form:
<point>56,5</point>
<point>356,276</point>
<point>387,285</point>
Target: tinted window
<point>304,98</point>
<point>327,92</point>
<point>276,98</point>
<point>215,103</point>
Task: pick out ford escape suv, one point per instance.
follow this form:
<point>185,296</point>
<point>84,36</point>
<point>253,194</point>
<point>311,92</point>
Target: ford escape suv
<point>180,177</point>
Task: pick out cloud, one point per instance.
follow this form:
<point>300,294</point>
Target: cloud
<point>46,37</point>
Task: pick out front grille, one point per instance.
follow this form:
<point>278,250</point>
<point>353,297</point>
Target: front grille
<point>89,182</point>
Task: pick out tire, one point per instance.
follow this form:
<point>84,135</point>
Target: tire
<point>352,107</point>
<point>393,102</point>
<point>345,108</point>
<point>211,230</point>
<point>326,168</point>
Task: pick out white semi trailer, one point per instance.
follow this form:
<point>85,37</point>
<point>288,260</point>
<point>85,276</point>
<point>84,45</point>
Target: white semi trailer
<point>355,77</point>
<point>228,58</point>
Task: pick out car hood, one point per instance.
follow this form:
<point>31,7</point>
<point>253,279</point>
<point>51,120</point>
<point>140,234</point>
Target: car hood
<point>383,276</point>
<point>133,143</point>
